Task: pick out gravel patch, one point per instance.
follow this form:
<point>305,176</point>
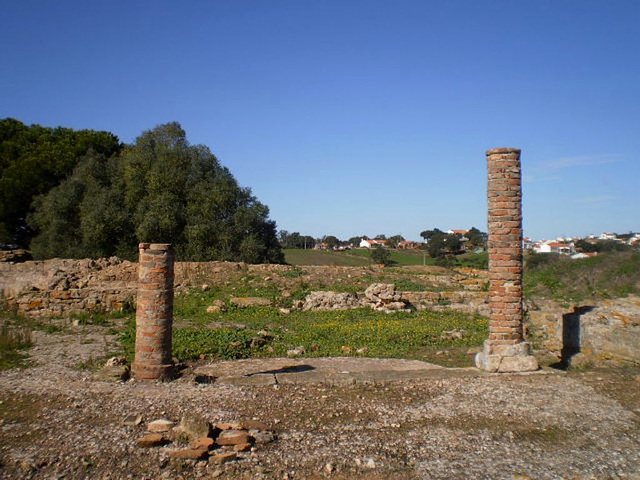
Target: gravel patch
<point>58,423</point>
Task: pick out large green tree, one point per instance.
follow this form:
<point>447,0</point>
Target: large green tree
<point>441,244</point>
<point>476,238</point>
<point>160,189</point>
<point>33,160</point>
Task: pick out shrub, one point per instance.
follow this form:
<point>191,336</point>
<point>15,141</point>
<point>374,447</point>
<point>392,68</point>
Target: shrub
<point>381,255</point>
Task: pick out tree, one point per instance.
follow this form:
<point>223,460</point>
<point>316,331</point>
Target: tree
<point>295,240</point>
<point>354,241</point>
<point>35,159</point>
<point>441,243</point>
<point>427,234</point>
<point>392,242</point>
<point>160,189</point>
<point>308,241</point>
<point>476,238</point>
<point>586,247</point>
<point>331,241</point>
<point>381,255</point>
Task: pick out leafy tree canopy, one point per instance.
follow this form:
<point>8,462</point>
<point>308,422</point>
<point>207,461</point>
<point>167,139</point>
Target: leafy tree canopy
<point>34,159</point>
<point>331,240</point>
<point>160,189</point>
<point>295,240</point>
<point>394,240</point>
<point>476,238</point>
<point>355,241</point>
<point>427,234</point>
<point>441,244</point>
<point>381,255</point>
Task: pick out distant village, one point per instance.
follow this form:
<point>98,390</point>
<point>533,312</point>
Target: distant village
<point>574,247</point>
<point>583,247</point>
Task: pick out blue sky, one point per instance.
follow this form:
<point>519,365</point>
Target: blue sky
<point>357,117</point>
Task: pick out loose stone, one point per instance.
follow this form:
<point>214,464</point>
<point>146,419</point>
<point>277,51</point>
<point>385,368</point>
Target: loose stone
<point>160,425</point>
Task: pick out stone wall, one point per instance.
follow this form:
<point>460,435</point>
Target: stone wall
<point>61,287</point>
<point>602,330</point>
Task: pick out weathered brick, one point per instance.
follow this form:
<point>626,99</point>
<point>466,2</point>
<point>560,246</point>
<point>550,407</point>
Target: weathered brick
<point>154,313</point>
<point>505,244</point>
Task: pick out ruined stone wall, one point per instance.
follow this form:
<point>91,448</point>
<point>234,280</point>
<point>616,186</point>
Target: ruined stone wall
<point>608,329</point>
<point>60,287</point>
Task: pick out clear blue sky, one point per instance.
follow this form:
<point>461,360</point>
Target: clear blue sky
<point>357,117</point>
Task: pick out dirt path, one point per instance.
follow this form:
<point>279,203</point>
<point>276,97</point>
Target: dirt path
<point>57,423</point>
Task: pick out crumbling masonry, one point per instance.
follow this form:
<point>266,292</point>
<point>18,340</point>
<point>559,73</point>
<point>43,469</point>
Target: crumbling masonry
<point>505,350</point>
<point>154,312</point>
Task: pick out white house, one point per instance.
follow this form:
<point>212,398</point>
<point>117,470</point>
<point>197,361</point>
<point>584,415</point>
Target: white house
<point>608,236</point>
<point>555,247</point>
<point>372,243</point>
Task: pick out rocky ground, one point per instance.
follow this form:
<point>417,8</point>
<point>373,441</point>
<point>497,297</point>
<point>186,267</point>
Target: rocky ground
<point>59,423</point>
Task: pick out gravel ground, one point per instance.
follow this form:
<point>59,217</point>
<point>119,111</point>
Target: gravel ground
<point>58,423</point>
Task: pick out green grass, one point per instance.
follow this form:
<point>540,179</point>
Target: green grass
<point>609,275</point>
<point>406,285</point>
<point>99,318</point>
<point>398,257</point>
<point>473,260</point>
<point>324,257</point>
<point>13,340</point>
<point>362,257</point>
<point>229,335</point>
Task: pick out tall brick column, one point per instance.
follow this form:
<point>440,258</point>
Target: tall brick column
<point>154,312</point>
<point>505,350</point>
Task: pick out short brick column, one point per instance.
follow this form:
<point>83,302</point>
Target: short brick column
<point>505,350</point>
<point>154,312</point>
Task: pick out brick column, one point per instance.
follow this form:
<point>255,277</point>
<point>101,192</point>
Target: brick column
<point>505,350</point>
<point>154,312</point>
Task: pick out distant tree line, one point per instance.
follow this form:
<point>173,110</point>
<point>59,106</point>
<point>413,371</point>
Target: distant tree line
<point>436,242</point>
<point>83,194</point>
<point>601,246</point>
<point>439,243</point>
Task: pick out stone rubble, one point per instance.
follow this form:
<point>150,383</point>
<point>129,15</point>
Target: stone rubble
<point>60,287</point>
<point>206,441</point>
<point>323,300</point>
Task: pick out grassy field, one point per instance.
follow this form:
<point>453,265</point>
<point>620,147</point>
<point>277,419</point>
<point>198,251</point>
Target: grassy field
<point>266,332</point>
<point>362,257</point>
<point>609,275</point>
<point>398,257</point>
<point>324,257</point>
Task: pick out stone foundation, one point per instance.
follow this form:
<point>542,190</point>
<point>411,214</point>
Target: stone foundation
<point>506,358</point>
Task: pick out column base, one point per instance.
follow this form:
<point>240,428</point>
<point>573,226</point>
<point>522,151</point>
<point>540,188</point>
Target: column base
<point>141,371</point>
<point>498,358</point>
